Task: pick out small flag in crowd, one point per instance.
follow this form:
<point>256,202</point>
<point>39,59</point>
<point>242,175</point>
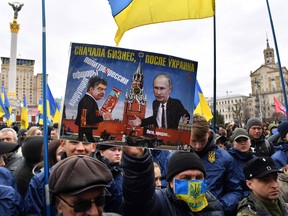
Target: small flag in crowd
<point>279,108</point>
<point>8,108</point>
<point>200,104</point>
<point>53,109</point>
<point>24,115</point>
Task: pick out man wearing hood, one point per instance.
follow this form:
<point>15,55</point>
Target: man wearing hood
<point>280,157</point>
<point>32,153</point>
<point>222,178</point>
<point>10,199</point>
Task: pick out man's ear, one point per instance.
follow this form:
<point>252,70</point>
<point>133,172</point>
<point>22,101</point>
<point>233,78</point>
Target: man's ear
<point>90,90</point>
<point>249,184</point>
<point>58,205</point>
<point>209,133</point>
<point>62,144</point>
<point>171,183</point>
<point>94,145</point>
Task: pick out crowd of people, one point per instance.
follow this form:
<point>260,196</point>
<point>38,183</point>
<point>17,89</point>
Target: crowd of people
<point>231,171</point>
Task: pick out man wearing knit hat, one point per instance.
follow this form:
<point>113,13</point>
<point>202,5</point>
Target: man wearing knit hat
<point>280,157</point>
<point>111,156</point>
<point>186,193</point>
<point>261,146</point>
<point>261,177</point>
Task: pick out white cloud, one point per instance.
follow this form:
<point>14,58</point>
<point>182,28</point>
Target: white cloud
<point>242,26</point>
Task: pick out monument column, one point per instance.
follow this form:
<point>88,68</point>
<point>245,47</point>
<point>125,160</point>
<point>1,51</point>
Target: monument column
<point>14,28</point>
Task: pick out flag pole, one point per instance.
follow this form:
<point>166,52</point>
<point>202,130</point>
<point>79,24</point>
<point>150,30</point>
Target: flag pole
<point>278,57</point>
<point>214,86</point>
<point>45,129</point>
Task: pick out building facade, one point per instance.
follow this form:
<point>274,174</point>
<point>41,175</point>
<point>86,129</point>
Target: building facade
<point>265,85</point>
<point>27,83</point>
<point>233,108</point>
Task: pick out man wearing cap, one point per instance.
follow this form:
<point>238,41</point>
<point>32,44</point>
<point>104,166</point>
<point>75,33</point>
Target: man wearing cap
<point>21,135</point>
<point>111,156</point>
<point>261,177</point>
<point>12,159</point>
<point>272,129</point>
<point>221,141</point>
<point>261,146</point>
<point>222,176</point>
<point>186,193</point>
<point>32,151</point>
<point>280,157</point>
<point>241,152</point>
<point>72,196</point>
<point>34,202</point>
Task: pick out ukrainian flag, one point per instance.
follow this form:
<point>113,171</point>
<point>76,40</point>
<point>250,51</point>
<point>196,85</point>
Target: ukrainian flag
<point>2,109</point>
<point>24,115</point>
<point>40,116</point>
<point>53,107</point>
<point>8,108</point>
<point>129,14</point>
<point>200,105</point>
<point>53,110</point>
<point>192,192</point>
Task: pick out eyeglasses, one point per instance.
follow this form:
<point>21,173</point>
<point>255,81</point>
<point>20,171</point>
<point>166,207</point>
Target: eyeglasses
<point>84,205</point>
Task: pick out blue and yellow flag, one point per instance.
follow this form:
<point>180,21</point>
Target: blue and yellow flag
<point>129,14</point>
<point>200,105</point>
<point>40,109</point>
<point>192,192</point>
<point>52,107</point>
<point>8,108</point>
<point>24,115</point>
<point>53,110</point>
<point>2,108</point>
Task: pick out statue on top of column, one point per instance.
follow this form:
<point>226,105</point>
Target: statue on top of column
<point>16,7</point>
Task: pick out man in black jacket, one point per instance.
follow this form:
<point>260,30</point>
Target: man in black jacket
<point>185,195</point>
<point>167,111</point>
<point>88,115</point>
<point>261,176</point>
<point>261,147</point>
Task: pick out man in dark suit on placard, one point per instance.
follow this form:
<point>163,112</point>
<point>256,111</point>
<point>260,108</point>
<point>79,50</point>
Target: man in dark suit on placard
<point>167,111</point>
<point>88,115</point>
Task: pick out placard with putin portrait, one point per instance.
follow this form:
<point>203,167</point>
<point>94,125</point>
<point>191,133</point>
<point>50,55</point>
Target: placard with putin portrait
<point>128,97</point>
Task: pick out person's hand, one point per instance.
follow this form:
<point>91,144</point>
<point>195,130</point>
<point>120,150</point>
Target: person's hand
<point>133,151</point>
<point>136,122</point>
<point>107,115</point>
<point>185,119</point>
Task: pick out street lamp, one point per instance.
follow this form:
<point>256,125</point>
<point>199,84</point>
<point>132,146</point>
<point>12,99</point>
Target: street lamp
<point>257,83</point>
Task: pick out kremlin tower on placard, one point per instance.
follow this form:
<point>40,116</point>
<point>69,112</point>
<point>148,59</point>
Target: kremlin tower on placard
<point>135,102</point>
